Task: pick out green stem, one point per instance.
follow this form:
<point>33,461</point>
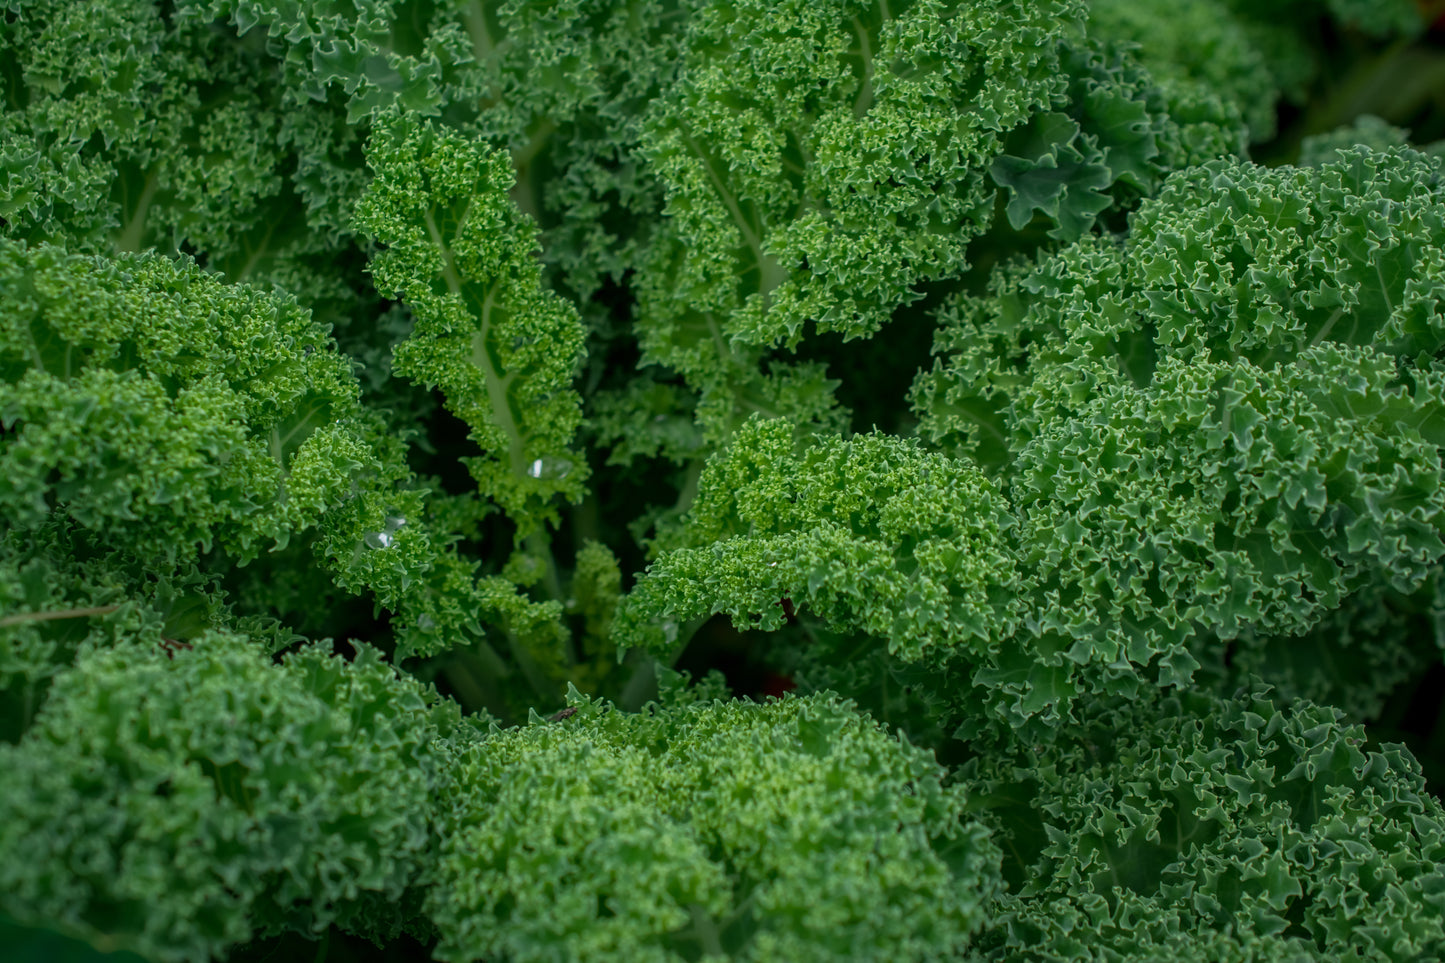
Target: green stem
<point>641,687</point>
<point>323,949</point>
<point>542,686</point>
<point>472,673</point>
<point>131,235</point>
<point>524,191</point>
<point>27,708</point>
<point>865,86</point>
<point>541,546</point>
<point>705,929</point>
<point>22,617</point>
<point>690,484</point>
<point>684,636</point>
<point>586,522</point>
<point>474,18</point>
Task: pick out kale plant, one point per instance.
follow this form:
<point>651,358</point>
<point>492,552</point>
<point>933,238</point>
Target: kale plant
<point>722,480</point>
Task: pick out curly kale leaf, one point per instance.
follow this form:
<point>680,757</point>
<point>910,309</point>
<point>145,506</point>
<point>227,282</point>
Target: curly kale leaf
<point>795,830</point>
<point>1109,140</point>
<point>178,802</point>
<point>1358,657</point>
<point>63,592</point>
<point>1200,53</point>
<point>1218,426</point>
<point>820,160</point>
<point>1145,528</point>
<point>502,348</point>
<point>872,534</point>
<point>146,399</point>
<point>1225,498</point>
<point>1230,262</point>
<point>1366,130</point>
<point>1188,826</point>
<point>125,130</point>
<point>169,414</point>
<point>562,86</point>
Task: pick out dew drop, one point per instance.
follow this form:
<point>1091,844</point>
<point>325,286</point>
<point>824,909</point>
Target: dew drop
<point>669,631</point>
<point>377,539</point>
<point>425,622</point>
<point>393,522</point>
<point>549,468</point>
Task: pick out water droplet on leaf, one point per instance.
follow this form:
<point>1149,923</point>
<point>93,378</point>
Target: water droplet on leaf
<point>377,540</point>
<point>549,468</point>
